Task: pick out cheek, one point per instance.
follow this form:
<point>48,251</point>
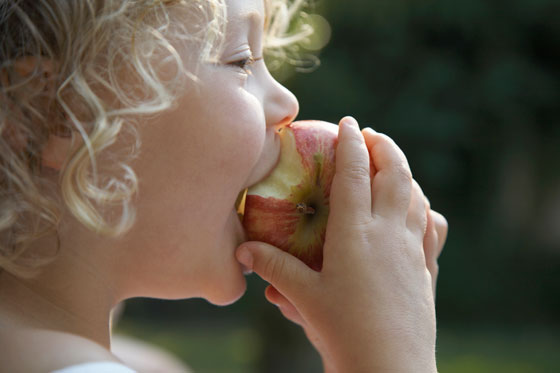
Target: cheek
<point>241,136</point>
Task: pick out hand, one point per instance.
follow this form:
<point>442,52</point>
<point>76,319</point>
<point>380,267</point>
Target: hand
<point>434,240</point>
<point>372,307</point>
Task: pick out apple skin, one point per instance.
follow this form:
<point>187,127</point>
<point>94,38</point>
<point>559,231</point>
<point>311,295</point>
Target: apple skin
<point>290,207</point>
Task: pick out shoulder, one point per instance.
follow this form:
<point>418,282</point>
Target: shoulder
<point>44,350</point>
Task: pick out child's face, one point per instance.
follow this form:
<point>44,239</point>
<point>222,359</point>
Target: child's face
<point>195,159</point>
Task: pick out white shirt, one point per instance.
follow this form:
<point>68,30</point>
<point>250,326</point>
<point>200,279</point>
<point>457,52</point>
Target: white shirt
<point>96,367</point>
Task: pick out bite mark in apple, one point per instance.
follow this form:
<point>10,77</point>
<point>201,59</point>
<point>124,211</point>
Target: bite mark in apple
<point>289,209</point>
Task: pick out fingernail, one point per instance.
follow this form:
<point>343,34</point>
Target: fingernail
<point>245,258</point>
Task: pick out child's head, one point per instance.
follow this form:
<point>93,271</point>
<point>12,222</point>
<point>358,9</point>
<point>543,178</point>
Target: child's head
<point>130,127</point>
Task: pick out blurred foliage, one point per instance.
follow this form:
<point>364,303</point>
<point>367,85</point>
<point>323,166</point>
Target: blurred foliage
<point>233,347</point>
<point>470,90</point>
<point>498,350</point>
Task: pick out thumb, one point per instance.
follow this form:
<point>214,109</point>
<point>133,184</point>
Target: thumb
<point>289,275</point>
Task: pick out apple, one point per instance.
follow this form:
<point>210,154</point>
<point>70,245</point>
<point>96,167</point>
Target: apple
<point>290,207</point>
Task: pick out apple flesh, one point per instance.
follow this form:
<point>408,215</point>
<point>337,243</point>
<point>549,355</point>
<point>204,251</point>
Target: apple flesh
<point>290,207</point>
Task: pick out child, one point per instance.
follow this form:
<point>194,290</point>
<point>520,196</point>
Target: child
<point>128,129</point>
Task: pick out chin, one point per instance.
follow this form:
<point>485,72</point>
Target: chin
<point>224,281</point>
<point>229,292</point>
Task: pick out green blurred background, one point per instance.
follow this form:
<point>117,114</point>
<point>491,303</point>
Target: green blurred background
<point>470,90</point>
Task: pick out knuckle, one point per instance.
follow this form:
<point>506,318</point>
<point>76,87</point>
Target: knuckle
<point>442,222</point>
<point>360,228</point>
<point>427,203</point>
<point>400,164</point>
<point>355,171</point>
<point>352,142</point>
<point>274,267</point>
<point>444,229</point>
<point>392,144</point>
<point>357,226</point>
<point>421,198</point>
<point>433,267</point>
<point>428,207</point>
<point>401,172</point>
<point>420,193</point>
<point>386,139</point>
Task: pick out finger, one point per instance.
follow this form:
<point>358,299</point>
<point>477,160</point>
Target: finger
<point>441,228</point>
<point>285,306</point>
<point>351,186</point>
<point>430,240</point>
<point>293,278</point>
<point>273,295</point>
<point>372,170</point>
<point>430,250</point>
<point>416,220</point>
<point>393,180</point>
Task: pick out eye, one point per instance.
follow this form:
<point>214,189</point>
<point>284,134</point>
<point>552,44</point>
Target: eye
<point>243,64</point>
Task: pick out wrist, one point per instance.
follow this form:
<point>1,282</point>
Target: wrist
<point>385,355</point>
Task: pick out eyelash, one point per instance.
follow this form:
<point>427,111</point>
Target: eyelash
<point>244,64</point>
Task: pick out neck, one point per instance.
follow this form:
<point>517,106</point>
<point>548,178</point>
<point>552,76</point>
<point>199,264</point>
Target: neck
<point>72,299</point>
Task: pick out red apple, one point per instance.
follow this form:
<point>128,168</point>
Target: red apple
<point>290,207</point>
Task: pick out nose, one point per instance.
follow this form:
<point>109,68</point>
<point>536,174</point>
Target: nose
<point>281,105</point>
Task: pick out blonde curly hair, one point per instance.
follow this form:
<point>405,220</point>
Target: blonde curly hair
<point>61,63</point>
